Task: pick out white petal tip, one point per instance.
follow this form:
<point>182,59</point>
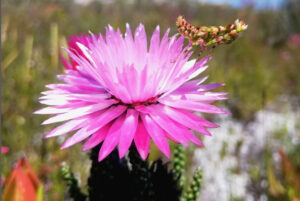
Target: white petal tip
<point>48,121</point>
<point>144,157</point>
<point>185,144</point>
<point>63,147</point>
<point>67,144</point>
<point>122,154</point>
<point>100,158</point>
<point>47,136</point>
<point>85,148</point>
<point>110,27</point>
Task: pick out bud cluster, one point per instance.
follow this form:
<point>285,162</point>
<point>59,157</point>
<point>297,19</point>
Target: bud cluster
<point>205,36</point>
<point>179,164</point>
<point>72,183</point>
<point>193,191</point>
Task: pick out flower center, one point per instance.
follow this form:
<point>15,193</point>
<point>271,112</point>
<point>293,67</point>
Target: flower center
<point>152,100</point>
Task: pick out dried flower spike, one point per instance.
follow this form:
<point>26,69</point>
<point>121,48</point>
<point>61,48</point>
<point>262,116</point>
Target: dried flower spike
<point>205,36</point>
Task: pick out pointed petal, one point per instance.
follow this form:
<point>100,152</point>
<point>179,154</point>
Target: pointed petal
<point>154,43</point>
<point>194,106</point>
<point>79,112</point>
<point>188,134</point>
<point>197,72</point>
<point>164,122</point>
<point>76,138</point>
<point>51,110</point>
<point>140,39</point>
<point>140,49</point>
<point>157,134</point>
<point>106,117</point>
<point>189,86</point>
<point>191,137</point>
<point>66,63</point>
<point>188,120</point>
<point>96,138</point>
<point>85,51</point>
<point>207,87</point>
<point>112,138</point>
<point>142,140</point>
<point>188,65</point>
<point>55,102</point>
<point>127,131</point>
<point>66,127</point>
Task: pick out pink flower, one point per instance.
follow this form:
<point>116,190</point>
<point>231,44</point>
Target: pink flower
<point>73,47</point>
<point>4,150</point>
<point>294,40</point>
<point>117,91</point>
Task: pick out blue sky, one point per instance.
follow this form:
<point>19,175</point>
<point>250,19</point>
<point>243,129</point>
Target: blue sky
<point>258,4</point>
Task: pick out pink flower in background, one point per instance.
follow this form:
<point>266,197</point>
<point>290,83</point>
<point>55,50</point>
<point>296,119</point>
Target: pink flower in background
<point>294,40</point>
<point>4,150</point>
<point>73,47</point>
<point>2,181</point>
<point>118,91</point>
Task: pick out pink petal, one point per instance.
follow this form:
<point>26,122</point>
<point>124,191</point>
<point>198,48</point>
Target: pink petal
<point>65,62</point>
<point>76,138</point>
<point>127,131</point>
<point>207,87</point>
<point>191,137</point>
<point>188,87</point>
<point>112,138</point>
<point>89,97</point>
<point>194,106</point>
<point>164,122</point>
<point>106,117</point>
<point>66,127</point>
<point>157,134</point>
<point>188,134</point>
<point>203,98</point>
<point>192,97</point>
<point>79,112</point>
<point>140,39</point>
<point>80,81</point>
<point>96,138</point>
<point>197,72</point>
<point>142,140</point>
<point>186,120</point>
<point>154,42</point>
<point>80,87</point>
<point>58,101</point>
<point>51,110</point>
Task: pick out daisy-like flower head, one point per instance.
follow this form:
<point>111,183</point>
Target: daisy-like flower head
<point>117,91</point>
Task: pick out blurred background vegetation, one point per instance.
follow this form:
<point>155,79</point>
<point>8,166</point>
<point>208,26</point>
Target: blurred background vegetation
<point>258,68</point>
